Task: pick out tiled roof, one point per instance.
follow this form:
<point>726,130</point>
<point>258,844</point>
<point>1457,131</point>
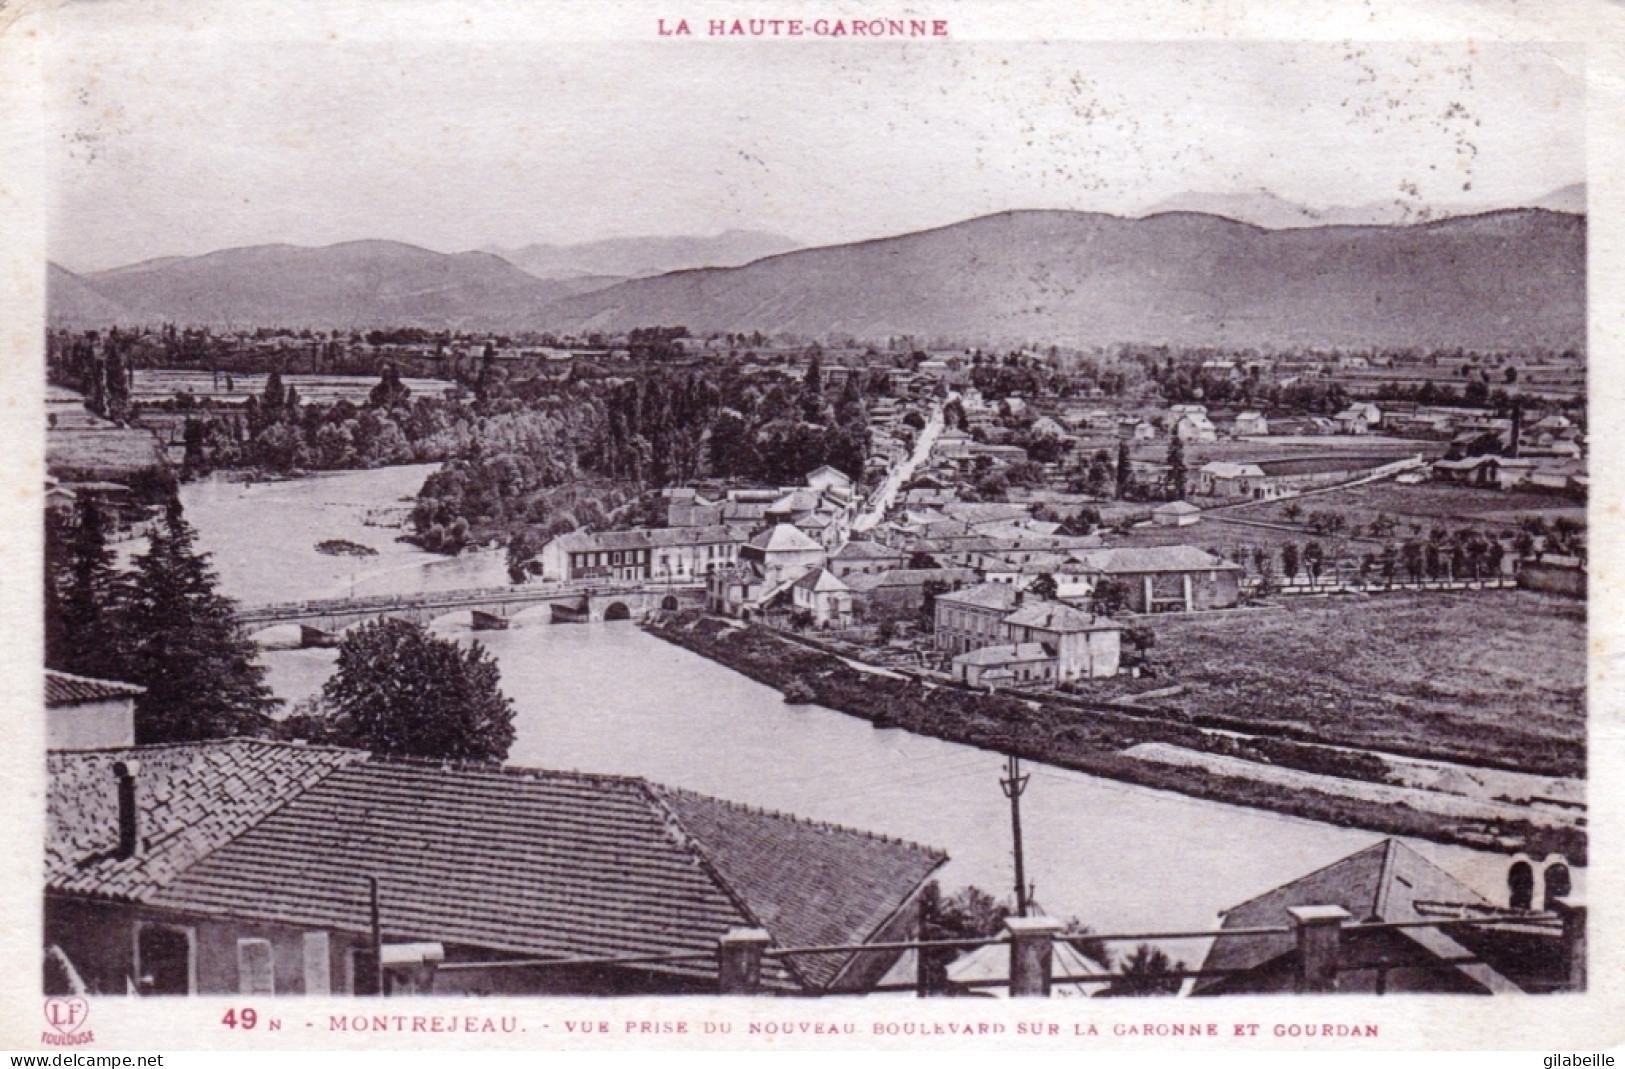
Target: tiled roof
<point>907,577</point>
<point>809,884</point>
<point>821,580</point>
<point>1019,653</point>
<point>62,688</point>
<point>985,512</point>
<point>783,538</point>
<point>1383,882</point>
<point>581,541</point>
<point>863,549</point>
<point>1137,560</point>
<point>800,500</point>
<point>192,799</point>
<point>1054,616</point>
<point>510,860</point>
<point>999,596</point>
<point>1225,469</point>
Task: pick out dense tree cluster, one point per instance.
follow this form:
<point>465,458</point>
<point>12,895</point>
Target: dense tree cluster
<point>401,691</point>
<point>586,459</point>
<point>163,625</point>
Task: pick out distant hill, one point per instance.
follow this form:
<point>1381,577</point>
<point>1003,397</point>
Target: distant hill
<point>1265,209</point>
<point>73,302</point>
<point>1568,199</point>
<point>1500,280</point>
<point>351,285</point>
<point>643,257</point>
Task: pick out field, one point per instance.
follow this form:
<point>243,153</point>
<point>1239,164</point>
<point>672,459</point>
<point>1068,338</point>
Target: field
<point>163,385</point>
<point>1428,504</point>
<point>101,453</point>
<point>1494,678</point>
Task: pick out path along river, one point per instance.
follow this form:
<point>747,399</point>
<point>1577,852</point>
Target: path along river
<point>611,698</point>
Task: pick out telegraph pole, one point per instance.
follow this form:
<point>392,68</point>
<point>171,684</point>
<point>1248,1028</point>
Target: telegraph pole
<point>1013,784</point>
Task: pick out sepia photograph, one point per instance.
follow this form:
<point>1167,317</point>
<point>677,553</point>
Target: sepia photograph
<point>812,504</point>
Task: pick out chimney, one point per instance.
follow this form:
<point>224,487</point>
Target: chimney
<point>128,839</point>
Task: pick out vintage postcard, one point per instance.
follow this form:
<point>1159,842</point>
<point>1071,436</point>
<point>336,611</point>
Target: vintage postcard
<point>757,525</point>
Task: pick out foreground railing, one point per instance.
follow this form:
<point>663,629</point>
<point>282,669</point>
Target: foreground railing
<point>1318,933</point>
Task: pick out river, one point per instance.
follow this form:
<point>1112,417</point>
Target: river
<point>611,698</point>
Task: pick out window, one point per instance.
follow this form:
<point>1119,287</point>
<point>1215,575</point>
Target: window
<point>363,971</point>
<point>165,959</point>
<point>318,964</point>
<point>256,967</point>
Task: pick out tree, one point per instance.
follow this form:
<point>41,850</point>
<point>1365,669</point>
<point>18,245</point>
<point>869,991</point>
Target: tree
<point>274,397</point>
<point>1314,559</point>
<point>522,549</point>
<point>969,913</point>
<point>920,561</point>
<point>929,593</point>
<point>1289,560</point>
<point>1292,512</point>
<point>185,647</point>
<point>1140,639</point>
<point>1176,467</point>
<point>1264,565</point>
<point>401,691</point>
<point>83,631</point>
<point>1146,973</point>
<point>390,391</point>
<point>1125,470</point>
<point>1110,596</point>
<point>1044,587</point>
<point>1414,559</point>
<point>1389,562</point>
<point>814,380</point>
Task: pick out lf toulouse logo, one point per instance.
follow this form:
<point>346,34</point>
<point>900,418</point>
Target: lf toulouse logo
<point>68,1017</point>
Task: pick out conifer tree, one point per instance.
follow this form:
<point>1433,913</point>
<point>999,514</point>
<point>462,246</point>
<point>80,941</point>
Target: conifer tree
<point>186,648</point>
<point>86,638</point>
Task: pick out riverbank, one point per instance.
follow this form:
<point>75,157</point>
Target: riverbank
<point>1093,740</point>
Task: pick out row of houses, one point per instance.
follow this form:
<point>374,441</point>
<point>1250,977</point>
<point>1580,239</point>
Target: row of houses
<point>704,536</point>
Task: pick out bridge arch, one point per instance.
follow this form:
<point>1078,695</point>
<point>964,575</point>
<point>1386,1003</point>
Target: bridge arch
<point>669,603</point>
<point>617,610</point>
<point>533,614</point>
<point>457,618</point>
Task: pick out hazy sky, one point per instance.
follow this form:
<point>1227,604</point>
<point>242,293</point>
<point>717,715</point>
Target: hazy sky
<point>179,136</point>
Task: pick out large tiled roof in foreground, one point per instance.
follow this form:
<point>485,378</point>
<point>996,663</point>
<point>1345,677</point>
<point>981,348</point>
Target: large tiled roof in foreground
<point>533,863</point>
<point>193,798</point>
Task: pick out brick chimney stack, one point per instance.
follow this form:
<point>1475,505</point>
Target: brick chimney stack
<point>128,828</point>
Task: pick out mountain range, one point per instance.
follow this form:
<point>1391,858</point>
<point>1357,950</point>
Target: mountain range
<point>622,258</point>
<point>1265,209</point>
<point>1505,279</point>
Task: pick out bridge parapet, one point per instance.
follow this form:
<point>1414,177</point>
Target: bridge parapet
<point>337,613</point>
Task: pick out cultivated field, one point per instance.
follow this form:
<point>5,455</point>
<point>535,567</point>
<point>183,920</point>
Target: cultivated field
<point>1494,677</point>
<point>1428,504</point>
<point>163,385</point>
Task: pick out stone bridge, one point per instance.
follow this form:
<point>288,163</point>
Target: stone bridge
<point>595,601</point>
